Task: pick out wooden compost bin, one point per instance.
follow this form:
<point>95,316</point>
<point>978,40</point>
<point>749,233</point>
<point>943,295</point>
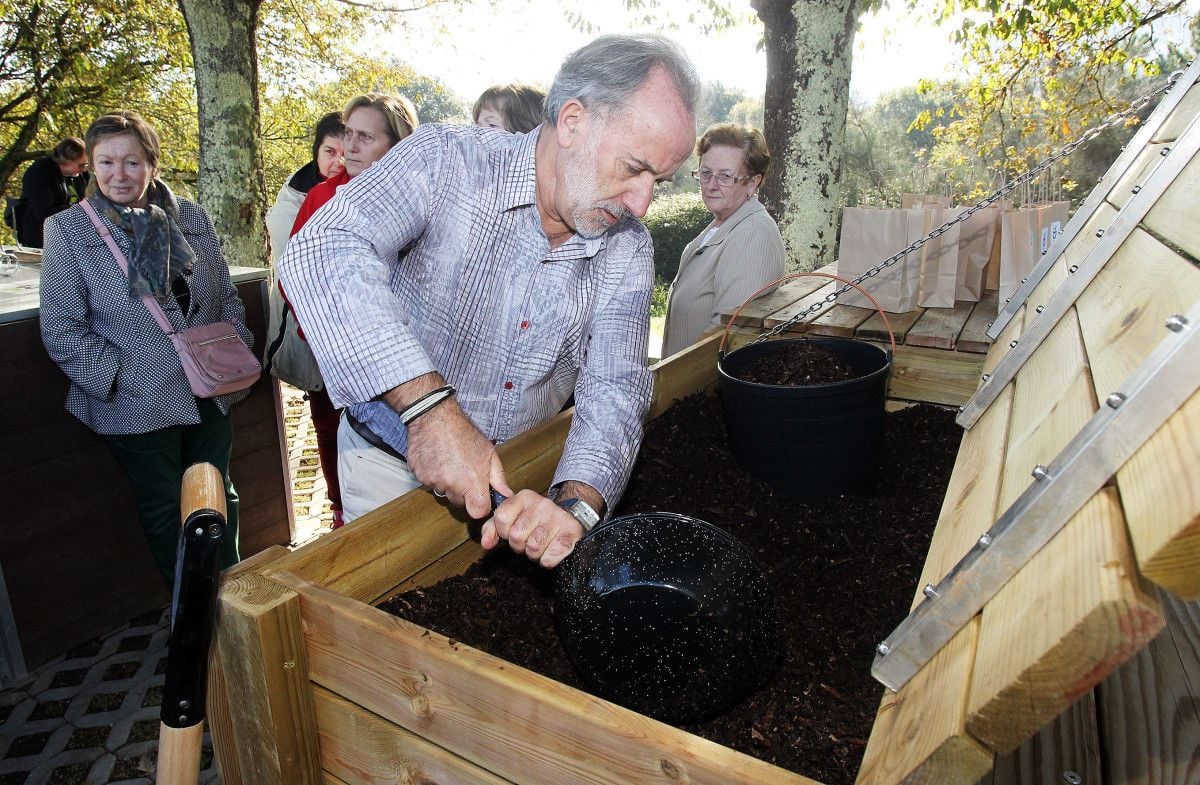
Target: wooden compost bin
<point>312,684</point>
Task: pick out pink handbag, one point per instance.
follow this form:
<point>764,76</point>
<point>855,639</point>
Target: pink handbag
<point>215,359</point>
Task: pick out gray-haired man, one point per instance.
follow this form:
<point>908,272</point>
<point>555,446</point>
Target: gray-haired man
<point>459,291</point>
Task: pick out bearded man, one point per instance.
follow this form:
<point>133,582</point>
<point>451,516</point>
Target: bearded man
<point>458,293</point>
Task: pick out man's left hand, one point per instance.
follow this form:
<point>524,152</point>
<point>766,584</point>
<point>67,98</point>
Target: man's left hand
<point>538,527</point>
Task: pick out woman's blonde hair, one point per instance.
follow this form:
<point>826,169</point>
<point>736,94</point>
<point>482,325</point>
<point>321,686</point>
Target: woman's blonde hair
<point>399,114</point>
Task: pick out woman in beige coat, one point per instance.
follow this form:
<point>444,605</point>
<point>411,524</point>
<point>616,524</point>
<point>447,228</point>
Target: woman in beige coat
<point>736,254</point>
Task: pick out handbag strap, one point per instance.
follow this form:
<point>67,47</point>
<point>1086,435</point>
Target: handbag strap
<point>148,300</point>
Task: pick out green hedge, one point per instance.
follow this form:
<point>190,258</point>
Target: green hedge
<point>674,221</point>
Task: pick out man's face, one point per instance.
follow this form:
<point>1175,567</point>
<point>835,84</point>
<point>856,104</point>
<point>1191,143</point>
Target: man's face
<point>610,169</point>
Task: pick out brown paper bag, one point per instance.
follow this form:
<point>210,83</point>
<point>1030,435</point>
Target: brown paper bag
<point>976,239</point>
<point>923,200</point>
<point>938,256</point>
<point>868,237</point>
<point>1020,248</point>
<point>1052,217</point>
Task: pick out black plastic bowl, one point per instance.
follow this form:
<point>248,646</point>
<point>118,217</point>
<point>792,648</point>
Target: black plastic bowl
<point>667,615</point>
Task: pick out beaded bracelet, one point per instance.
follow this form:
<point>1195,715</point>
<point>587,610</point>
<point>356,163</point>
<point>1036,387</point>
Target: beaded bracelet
<point>425,403</point>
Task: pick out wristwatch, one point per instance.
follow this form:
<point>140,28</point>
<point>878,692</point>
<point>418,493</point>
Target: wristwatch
<point>580,511</point>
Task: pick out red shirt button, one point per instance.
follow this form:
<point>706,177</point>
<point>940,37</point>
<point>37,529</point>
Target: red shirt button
<point>508,385</point>
<point>525,325</point>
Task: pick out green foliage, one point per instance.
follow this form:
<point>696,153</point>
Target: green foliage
<point>1045,71</point>
<point>674,221</point>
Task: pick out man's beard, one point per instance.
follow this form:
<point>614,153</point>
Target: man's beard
<point>581,174</point>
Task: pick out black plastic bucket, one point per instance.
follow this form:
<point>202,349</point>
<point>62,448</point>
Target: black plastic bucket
<point>811,441</point>
<point>667,615</point>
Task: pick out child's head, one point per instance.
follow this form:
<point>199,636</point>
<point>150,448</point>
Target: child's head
<point>516,108</point>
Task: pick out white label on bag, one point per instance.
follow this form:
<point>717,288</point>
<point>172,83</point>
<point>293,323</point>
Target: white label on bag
<point>1045,239</point>
<point>1055,230</point>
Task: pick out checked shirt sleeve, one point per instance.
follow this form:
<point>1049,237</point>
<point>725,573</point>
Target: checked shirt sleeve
<point>337,272</point>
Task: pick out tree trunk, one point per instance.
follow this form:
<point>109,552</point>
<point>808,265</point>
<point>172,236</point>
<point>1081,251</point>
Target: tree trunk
<point>231,188</point>
<point>809,47</point>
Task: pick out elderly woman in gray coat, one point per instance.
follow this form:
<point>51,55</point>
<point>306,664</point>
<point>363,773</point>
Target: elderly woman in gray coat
<point>739,252</point>
<point>126,380</point>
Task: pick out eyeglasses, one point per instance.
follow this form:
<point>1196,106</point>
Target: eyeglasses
<point>723,178</point>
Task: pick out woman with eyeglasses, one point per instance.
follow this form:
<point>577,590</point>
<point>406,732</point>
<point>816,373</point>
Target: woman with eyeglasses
<point>374,124</point>
<point>736,254</point>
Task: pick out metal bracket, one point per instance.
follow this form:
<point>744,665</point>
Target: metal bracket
<point>1162,383</point>
<point>1084,214</point>
<point>1081,275</point>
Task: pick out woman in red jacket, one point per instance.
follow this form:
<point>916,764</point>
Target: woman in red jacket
<point>375,122</point>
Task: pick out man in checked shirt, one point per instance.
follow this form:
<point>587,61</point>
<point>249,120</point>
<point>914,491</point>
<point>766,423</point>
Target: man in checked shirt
<point>460,290</point>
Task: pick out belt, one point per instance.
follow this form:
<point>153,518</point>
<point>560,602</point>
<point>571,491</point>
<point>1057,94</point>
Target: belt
<point>371,438</point>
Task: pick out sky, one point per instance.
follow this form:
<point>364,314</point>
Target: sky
<point>471,47</point>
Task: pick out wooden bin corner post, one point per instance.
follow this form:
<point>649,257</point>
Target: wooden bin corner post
<point>265,732</point>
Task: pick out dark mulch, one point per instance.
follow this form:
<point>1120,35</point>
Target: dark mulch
<point>844,571</point>
<point>798,363</point>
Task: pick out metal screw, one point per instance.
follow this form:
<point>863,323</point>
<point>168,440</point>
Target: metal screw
<point>962,409</point>
<point>1100,232</point>
<point>883,649</point>
<point>985,377</point>
<point>214,530</point>
<point>1115,400</point>
<point>1072,778</point>
<point>1137,189</point>
<point>1072,268</point>
<point>1165,151</point>
<point>199,531</point>
<point>1176,323</point>
<point>985,540</point>
<point>183,718</point>
<point>185,704</point>
<point>1012,344</point>
<point>1040,473</point>
<point>1023,280</point>
<point>1039,309</point>
<point>930,591</point>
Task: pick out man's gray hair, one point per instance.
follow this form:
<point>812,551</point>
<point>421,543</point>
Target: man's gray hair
<point>606,72</point>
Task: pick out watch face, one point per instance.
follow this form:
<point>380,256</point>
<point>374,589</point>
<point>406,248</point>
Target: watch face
<point>580,511</point>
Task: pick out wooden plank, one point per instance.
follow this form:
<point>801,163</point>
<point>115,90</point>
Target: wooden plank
<point>692,370</point>
<point>938,328</point>
<point>1101,221</point>
<point>873,329</point>
<point>1070,743</point>
<point>453,563</point>
<point>1146,161</point>
<point>1077,609</point>
<point>800,306</point>
<point>974,337</point>
<point>1176,215</point>
<point>1181,118</point>
<point>358,746</point>
<point>841,321</point>
<point>920,732</point>
<point>1123,313</point>
<point>219,701</point>
<point>484,709</point>
<point>264,664</point>
<point>934,375</point>
<point>786,294</point>
<point>1151,706</point>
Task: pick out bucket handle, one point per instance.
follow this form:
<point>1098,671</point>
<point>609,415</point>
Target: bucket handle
<point>733,319</point>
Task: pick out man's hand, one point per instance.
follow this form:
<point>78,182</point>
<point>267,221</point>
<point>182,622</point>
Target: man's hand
<point>537,527</point>
<point>447,452</point>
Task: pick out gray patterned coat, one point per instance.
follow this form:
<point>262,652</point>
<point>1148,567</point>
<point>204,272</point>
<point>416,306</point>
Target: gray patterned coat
<point>125,375</point>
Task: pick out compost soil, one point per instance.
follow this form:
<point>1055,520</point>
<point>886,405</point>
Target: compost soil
<point>798,363</point>
<point>844,571</point>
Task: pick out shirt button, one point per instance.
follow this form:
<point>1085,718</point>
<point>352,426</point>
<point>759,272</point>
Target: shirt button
<point>508,385</point>
<point>525,325</point>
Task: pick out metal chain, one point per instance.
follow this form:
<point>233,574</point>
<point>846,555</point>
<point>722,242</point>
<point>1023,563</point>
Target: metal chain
<point>1137,105</point>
